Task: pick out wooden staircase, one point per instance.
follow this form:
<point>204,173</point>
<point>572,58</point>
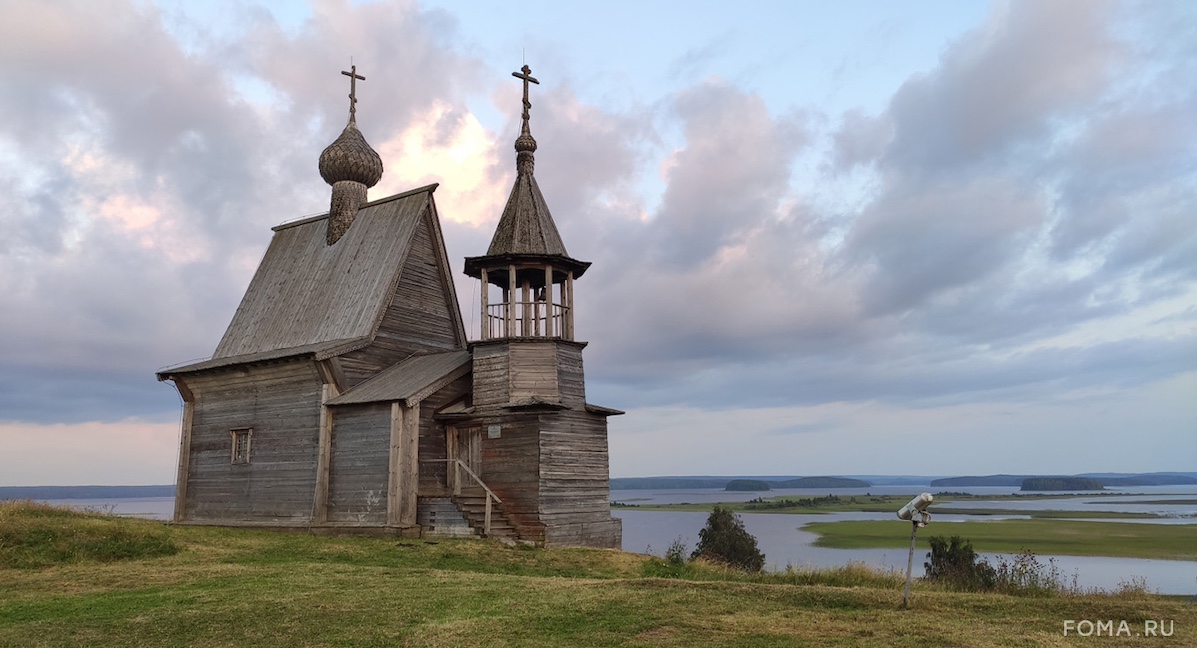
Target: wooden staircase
<point>439,517</point>
<point>472,504</point>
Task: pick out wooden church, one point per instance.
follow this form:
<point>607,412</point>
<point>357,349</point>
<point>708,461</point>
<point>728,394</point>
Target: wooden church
<point>345,397</point>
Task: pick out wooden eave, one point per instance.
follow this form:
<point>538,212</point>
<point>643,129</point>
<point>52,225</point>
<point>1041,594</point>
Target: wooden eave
<point>535,403</point>
<point>318,351</point>
<point>604,411</point>
<point>497,266</point>
<point>578,344</point>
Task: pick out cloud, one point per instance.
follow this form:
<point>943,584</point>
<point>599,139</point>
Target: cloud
<point>1011,229</point>
<point>123,452</point>
<point>728,178</point>
<point>144,181</point>
<point>1002,87</point>
<point>946,282</point>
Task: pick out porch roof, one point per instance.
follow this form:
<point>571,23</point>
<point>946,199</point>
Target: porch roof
<point>410,381</point>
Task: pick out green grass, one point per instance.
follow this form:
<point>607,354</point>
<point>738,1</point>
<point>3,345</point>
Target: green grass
<point>38,535</point>
<point>1061,537</point>
<point>252,588</point>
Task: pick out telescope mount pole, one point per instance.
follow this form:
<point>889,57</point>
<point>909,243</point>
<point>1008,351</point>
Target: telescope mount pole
<point>914,529</point>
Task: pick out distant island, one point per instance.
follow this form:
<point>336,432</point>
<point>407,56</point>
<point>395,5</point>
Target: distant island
<point>822,482</point>
<point>1061,484</point>
<point>735,484</point>
<point>987,480</point>
<point>1102,479</point>
<point>747,485</point>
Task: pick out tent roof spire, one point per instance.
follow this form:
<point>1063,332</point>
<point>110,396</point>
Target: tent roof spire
<point>526,226</point>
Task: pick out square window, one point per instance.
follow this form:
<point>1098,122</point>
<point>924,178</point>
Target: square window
<point>240,445</point>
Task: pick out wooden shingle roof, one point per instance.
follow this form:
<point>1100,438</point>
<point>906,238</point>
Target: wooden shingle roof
<point>526,226</point>
<point>411,380</point>
<point>306,292</point>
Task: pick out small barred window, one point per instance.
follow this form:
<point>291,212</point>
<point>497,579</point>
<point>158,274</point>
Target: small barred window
<point>240,445</point>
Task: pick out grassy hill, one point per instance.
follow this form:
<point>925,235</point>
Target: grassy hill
<point>195,586</point>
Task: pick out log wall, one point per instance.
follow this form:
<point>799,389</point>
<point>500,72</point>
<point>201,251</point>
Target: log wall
<point>491,375</point>
<point>570,378</point>
<point>281,403</point>
<point>533,370</point>
<point>510,465</point>
<point>574,481</point>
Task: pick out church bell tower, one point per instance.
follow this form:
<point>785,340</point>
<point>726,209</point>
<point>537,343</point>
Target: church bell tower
<point>529,392</point>
<point>527,296</point>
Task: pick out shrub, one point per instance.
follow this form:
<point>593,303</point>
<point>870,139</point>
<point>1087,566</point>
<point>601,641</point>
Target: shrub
<point>725,540</point>
<point>1026,576</point>
<point>673,566</point>
<point>954,563</point>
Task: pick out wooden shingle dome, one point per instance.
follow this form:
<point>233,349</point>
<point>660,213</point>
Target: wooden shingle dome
<point>350,158</point>
<point>351,167</point>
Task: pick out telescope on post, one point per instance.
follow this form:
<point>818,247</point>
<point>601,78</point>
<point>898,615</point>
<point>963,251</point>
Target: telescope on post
<point>916,513</point>
<point>917,506</point>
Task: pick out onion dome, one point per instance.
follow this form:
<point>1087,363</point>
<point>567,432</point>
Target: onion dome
<point>350,158</point>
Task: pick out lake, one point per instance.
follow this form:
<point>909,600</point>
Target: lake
<point>781,539</point>
<point>784,543</point>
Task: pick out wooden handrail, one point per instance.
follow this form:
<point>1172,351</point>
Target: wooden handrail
<point>528,319</point>
<point>478,479</point>
<point>490,495</point>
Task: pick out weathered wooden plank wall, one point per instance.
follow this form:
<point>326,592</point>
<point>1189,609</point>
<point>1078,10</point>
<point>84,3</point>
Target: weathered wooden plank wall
<point>533,370</point>
<point>357,489</point>
<point>281,403</point>
<point>432,436</point>
<point>570,379</point>
<point>418,317</point>
<point>491,375</point>
<point>575,500</point>
<point>510,468</point>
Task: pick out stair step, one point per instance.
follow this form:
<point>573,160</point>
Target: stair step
<point>440,517</point>
<point>463,515</point>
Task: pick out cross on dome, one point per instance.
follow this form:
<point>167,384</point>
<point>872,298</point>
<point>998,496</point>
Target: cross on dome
<point>353,79</point>
<point>525,73</point>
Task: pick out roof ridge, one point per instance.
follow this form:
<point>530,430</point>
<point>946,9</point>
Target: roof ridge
<point>428,188</point>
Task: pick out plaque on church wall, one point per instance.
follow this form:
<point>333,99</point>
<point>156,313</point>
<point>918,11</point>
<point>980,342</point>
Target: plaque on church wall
<point>494,431</point>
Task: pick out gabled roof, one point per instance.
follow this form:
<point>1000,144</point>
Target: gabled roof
<point>306,292</point>
<point>410,381</point>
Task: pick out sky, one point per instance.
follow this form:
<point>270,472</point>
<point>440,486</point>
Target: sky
<point>936,238</point>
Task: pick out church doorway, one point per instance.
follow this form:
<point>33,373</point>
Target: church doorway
<point>465,445</point>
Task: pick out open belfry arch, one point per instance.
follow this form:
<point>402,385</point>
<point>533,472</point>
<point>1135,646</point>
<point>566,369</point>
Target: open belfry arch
<point>345,396</point>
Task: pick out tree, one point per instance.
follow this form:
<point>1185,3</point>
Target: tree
<point>724,539</point>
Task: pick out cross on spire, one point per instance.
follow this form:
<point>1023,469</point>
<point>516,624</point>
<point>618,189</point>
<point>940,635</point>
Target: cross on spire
<point>353,79</point>
<point>526,74</point>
